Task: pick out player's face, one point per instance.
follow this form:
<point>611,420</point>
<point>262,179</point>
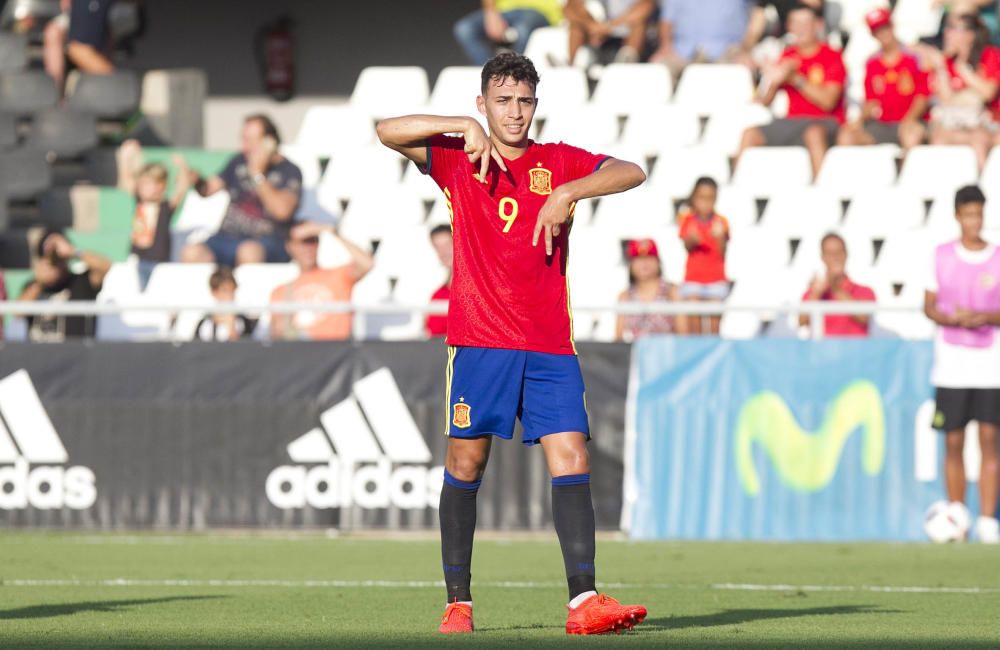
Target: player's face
<point>834,256</point>
<point>509,107</point>
<point>703,200</point>
<point>804,27</point>
<point>443,246</point>
<point>970,220</point>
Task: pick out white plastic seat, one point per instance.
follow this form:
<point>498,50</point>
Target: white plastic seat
<point>852,12</point>
<point>634,214</point>
<point>766,171</point>
<point>407,250</point>
<point>379,90</point>
<point>625,86</point>
<point>419,184</point>
<point>255,282</point>
<point>915,19</point>
<point>561,89</point>
<point>328,130</point>
<point>934,170</point>
<point>121,285</point>
<point>754,252</point>
<point>990,179</point>
<point>724,129</point>
<point>377,215</point>
<point>911,325</point>
<point>306,161</point>
<point>848,171</point>
<point>548,47</point>
<point>882,213</point>
<point>801,212</point>
<point>941,223</point>
<point>654,128</point>
<point>370,170</point>
<point>673,255</point>
<point>181,284</point>
<point>589,127</point>
<point>905,257</point>
<point>706,88</point>
<point>455,90</point>
<point>676,170</point>
<point>738,207</point>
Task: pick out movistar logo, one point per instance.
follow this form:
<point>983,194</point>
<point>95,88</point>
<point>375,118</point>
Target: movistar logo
<point>807,461</point>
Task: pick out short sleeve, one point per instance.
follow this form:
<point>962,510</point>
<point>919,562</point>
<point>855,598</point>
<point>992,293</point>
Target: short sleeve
<point>989,65</point>
<point>445,156</point>
<point>291,178</point>
<point>835,70</point>
<point>685,226</point>
<point>579,162</point>
<point>921,80</point>
<point>228,173</point>
<point>864,294</point>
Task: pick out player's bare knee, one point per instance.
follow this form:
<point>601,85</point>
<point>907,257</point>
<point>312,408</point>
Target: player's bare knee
<point>250,252</point>
<point>954,444</point>
<point>466,464</point>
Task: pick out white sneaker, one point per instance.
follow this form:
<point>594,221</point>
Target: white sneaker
<point>987,530</point>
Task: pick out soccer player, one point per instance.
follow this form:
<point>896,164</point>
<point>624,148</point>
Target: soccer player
<point>511,352</point>
<point>963,298</point>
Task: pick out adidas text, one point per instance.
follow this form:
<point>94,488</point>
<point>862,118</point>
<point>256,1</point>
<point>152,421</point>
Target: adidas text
<point>337,485</point>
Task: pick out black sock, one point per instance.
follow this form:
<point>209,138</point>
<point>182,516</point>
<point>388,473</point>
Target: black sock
<point>573,514</point>
<point>458,525</point>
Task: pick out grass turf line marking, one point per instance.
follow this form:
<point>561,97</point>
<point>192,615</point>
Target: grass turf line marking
<point>429,584</point>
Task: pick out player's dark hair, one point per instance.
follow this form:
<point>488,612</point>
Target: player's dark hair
<point>265,123</point>
<point>509,65</point>
<point>222,275</point>
<point>832,235</point>
<point>801,6</point>
<point>969,194</point>
<point>443,229</point>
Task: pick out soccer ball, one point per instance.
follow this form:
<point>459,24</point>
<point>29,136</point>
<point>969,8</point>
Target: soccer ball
<point>947,522</point>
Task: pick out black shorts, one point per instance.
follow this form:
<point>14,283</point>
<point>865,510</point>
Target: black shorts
<point>883,132</point>
<point>956,407</point>
<point>787,132</point>
<point>88,22</point>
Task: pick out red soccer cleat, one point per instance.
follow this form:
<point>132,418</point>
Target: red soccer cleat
<point>601,614</point>
<point>457,619</point>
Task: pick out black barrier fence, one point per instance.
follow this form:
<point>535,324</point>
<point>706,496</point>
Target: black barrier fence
<point>151,435</point>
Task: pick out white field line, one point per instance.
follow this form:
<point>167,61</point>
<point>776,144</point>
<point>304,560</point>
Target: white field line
<point>428,584</point>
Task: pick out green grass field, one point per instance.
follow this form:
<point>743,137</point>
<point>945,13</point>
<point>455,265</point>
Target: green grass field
<point>73,590</point>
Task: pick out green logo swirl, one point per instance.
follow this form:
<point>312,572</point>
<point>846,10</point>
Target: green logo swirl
<point>807,461</point>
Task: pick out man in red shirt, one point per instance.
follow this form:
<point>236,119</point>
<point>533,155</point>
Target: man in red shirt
<point>441,239</point>
<point>510,337</point>
<point>897,96</point>
<point>835,285</point>
<point>813,75</point>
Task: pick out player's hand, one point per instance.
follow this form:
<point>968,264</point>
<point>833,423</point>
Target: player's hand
<point>495,26</point>
<point>969,319</point>
<point>56,244</point>
<point>692,239</point>
<point>479,148</point>
<point>553,214</point>
<point>718,229</point>
<point>818,287</point>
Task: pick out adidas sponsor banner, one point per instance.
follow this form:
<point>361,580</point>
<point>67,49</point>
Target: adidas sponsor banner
<point>244,434</point>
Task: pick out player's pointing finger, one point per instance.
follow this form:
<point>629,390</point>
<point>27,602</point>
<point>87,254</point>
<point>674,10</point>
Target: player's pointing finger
<point>484,163</point>
<point>538,231</point>
<point>548,240</point>
<point>497,157</point>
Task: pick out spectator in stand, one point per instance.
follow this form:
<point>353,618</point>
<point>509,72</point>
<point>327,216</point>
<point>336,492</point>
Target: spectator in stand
<point>963,298</point>
<point>813,75</point>
<point>89,36</point>
<point>54,281</point>
<point>764,40</point>
<point>896,93</point>
<point>317,285</point>
<point>646,284</point>
<point>504,23</point>
<point>224,327</point>
<point>441,239</point>
<point>54,45</point>
<point>625,23</point>
<point>706,236</point>
<point>700,31</point>
<point>965,78</point>
<point>265,189</point>
<point>835,285</point>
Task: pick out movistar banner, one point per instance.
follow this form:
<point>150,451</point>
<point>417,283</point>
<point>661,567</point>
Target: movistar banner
<point>778,439</point>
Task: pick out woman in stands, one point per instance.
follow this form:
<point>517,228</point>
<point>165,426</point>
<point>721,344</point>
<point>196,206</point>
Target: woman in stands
<point>646,284</point>
<point>706,236</point>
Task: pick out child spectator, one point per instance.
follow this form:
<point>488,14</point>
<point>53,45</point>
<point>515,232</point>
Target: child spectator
<point>706,236</point>
<point>224,327</point>
<point>437,324</point>
<point>646,284</point>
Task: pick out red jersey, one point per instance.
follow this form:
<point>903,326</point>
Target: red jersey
<point>844,324</point>
<point>437,325</point>
<point>989,67</point>
<point>506,293</point>
<point>824,66</point>
<point>706,264</point>
<point>894,87</point>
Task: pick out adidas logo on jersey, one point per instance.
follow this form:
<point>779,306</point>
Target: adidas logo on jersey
<point>368,452</point>
<point>32,456</point>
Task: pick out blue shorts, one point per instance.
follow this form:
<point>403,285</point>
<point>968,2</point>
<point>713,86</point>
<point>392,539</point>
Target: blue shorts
<point>487,389</point>
<point>223,246</point>
<point>701,291</point>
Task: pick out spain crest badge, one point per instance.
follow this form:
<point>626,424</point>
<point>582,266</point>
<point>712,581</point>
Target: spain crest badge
<point>541,180</point>
<point>462,418</point>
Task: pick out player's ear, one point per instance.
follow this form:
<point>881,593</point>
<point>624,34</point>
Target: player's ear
<point>481,104</point>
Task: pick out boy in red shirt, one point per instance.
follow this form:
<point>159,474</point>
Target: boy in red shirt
<point>897,96</point>
<point>813,75</point>
<point>835,285</point>
<point>706,236</point>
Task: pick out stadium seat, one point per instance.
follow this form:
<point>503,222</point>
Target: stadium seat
<point>708,88</point>
<point>24,173</point>
<point>724,130</point>
<point>589,127</point>
<point>847,171</point>
<point>306,161</point>
<point>989,181</point>
<point>635,214</point>
<point>881,213</point>
<point>912,324</point>
<point>624,86</point>
<point>357,172</point>
<point>111,96</point>
<point>26,92</point>
<point>8,131</point>
<point>420,184</point>
<point>62,132</point>
<point>766,171</point>
<point>673,255</point>
<point>548,48</point>
<point>455,90</point>
<point>933,170</point>
<point>382,91</point>
<point>407,250</point>
<point>376,216</point>
<point>916,19</point>
<point>738,207</point>
<point>941,223</point>
<point>55,208</point>
<point>653,128</point>
<point>801,212</point>
<point>255,282</point>
<point>561,89</point>
<point>121,285</point>
<point>627,152</point>
<point>740,324</point>
<point>595,290</point>
<point>677,169</point>
<point>756,252</point>
<point>852,12</point>
<point>905,257</point>
<point>13,51</point>
<point>329,130</point>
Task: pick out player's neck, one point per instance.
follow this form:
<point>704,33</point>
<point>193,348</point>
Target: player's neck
<point>976,243</point>
<point>511,152</point>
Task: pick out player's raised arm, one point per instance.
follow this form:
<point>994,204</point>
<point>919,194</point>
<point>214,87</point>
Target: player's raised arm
<point>613,176</point>
<point>408,135</point>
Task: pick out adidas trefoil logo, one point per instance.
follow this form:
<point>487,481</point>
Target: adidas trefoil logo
<point>32,455</point>
<point>368,452</point>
